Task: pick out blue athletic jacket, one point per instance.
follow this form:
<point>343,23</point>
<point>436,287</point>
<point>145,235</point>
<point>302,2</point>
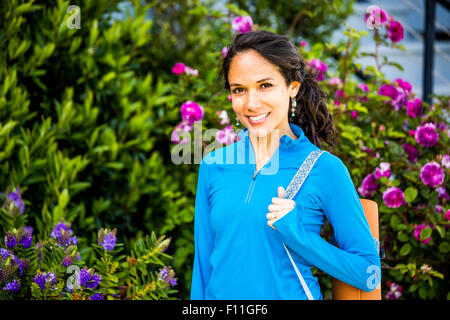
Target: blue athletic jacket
<point>239,256</point>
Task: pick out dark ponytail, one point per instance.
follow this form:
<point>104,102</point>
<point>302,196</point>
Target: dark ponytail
<point>311,114</point>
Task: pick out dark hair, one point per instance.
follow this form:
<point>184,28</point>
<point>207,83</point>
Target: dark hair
<point>311,113</point>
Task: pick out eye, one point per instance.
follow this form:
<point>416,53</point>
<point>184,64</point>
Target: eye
<point>235,90</point>
<point>266,84</point>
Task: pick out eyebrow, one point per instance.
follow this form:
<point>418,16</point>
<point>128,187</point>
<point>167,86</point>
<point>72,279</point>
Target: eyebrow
<point>237,84</point>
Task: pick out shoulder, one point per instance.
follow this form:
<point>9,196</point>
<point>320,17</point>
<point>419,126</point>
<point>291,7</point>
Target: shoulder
<point>331,164</point>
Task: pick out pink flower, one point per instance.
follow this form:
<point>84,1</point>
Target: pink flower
<point>354,114</point>
<point>303,43</point>
<point>388,90</point>
<point>229,97</point>
<point>193,72</point>
<point>225,51</point>
<point>242,24</point>
<point>191,111</point>
<point>413,107</point>
<point>400,100</point>
<point>320,66</point>
<point>223,115</point>
<point>395,31</point>
<point>432,174</point>
<point>382,127</point>
<point>417,232</point>
<point>181,128</point>
<point>383,171</point>
<point>447,215</point>
<point>178,68</point>
<point>393,197</point>
<point>363,87</point>
<point>411,132</point>
<point>438,208</point>
<point>375,18</point>
<point>426,135</point>
<point>335,81</point>
<point>405,85</point>
<point>226,135</point>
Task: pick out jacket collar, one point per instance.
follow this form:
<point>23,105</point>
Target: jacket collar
<point>285,141</point>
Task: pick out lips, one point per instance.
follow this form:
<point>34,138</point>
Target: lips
<point>258,119</point>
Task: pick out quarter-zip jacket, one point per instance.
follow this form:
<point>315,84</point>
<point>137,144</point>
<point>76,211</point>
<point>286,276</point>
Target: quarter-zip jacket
<point>239,256</point>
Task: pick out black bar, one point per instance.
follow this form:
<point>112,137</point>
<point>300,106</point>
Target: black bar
<point>430,17</point>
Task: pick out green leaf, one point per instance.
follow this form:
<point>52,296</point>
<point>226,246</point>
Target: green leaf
<point>425,233</point>
<point>410,194</point>
<point>406,248</point>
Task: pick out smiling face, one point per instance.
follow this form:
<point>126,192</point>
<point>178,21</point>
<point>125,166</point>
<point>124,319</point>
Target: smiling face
<point>260,97</point>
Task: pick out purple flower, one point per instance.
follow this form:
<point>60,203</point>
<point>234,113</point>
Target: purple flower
<point>411,151</point>
<point>225,51</point>
<point>369,186</point>
<point>417,232</point>
<point>12,286</point>
<point>107,239</point>
<point>445,161</point>
<point>4,253</point>
<point>109,242</point>
<point>178,68</point>
<point>383,171</point>
<point>432,174</point>
<point>27,237</point>
<point>413,107</point>
<point>242,24</point>
<point>13,202</point>
<point>42,278</point>
<point>67,261</point>
<point>393,197</point>
<point>395,291</point>
<point>400,101</point>
<point>395,31</point>
<point>388,90</point>
<point>10,240</point>
<point>89,279</point>
<point>320,66</point>
<point>20,264</point>
<point>63,234</point>
<point>97,296</point>
<point>191,111</point>
<point>442,194</point>
<point>167,275</point>
<point>426,135</point>
<point>226,135</point>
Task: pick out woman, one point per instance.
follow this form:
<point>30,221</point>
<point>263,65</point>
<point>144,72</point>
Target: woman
<point>241,220</point>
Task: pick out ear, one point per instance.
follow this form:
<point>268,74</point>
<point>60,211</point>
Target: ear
<point>293,88</point>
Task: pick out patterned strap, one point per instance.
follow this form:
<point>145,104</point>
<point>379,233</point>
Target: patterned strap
<point>290,193</point>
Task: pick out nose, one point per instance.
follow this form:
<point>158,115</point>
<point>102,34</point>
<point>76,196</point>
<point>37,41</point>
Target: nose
<point>253,101</point>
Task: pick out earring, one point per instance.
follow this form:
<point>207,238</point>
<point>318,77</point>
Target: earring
<point>294,105</point>
<point>237,121</point>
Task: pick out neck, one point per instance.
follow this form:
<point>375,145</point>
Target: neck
<point>265,146</point>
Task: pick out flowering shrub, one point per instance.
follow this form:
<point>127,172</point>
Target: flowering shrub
<point>53,268</point>
<point>395,146</point>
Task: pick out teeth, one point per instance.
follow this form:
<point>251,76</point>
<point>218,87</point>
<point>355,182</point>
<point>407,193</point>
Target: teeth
<point>259,117</point>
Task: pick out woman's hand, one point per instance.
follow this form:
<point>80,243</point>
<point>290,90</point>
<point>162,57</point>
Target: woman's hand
<point>279,207</point>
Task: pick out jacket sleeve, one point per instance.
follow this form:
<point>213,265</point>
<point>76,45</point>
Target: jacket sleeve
<point>356,261</point>
<point>203,236</point>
